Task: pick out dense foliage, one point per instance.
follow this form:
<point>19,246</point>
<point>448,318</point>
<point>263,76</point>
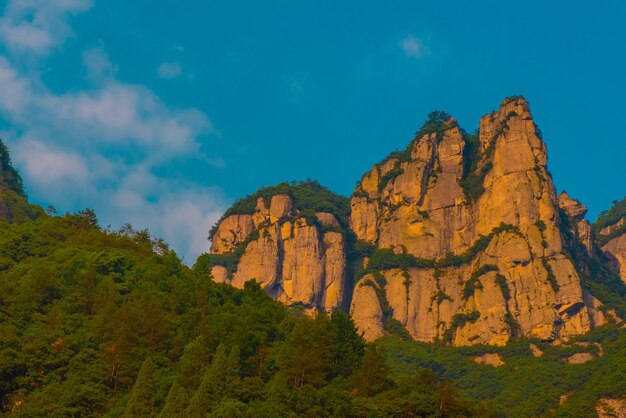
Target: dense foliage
<point>610,217</point>
<point>526,386</point>
<point>473,177</point>
<point>9,177</point>
<point>110,323</point>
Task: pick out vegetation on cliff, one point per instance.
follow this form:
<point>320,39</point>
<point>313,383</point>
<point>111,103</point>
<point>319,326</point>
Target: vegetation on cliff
<point>13,204</point>
<point>608,218</point>
<point>308,197</point>
<point>9,177</point>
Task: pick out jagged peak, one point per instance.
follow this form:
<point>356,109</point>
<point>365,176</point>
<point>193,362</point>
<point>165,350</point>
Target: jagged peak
<point>572,207</point>
<point>519,99</point>
<point>439,121</point>
<point>436,122</point>
<point>513,106</point>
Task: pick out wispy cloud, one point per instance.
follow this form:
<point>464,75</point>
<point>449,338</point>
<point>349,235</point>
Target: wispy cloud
<point>37,26</point>
<point>114,112</point>
<point>99,67</point>
<point>169,70</point>
<point>413,47</point>
<point>101,146</point>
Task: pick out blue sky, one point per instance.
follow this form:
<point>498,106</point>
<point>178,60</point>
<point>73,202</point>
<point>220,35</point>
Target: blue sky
<point>160,113</point>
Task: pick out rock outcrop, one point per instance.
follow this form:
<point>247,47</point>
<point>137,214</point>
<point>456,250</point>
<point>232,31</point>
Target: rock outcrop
<point>480,218</point>
<point>576,211</point>
<point>491,359</point>
<point>460,238</point>
<point>297,260</point>
<point>611,408</point>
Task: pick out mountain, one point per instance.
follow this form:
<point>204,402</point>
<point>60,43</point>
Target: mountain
<point>459,238</point>
<point>98,322</point>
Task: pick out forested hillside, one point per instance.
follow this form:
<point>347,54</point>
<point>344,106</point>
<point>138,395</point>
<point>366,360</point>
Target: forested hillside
<point>110,323</point>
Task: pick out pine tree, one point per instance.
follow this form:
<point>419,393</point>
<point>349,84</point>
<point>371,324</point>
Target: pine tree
<point>349,344</point>
<point>309,355</point>
<point>175,403</point>
<point>142,401</point>
<point>372,376</point>
<point>211,386</point>
<point>232,379</point>
<point>194,360</point>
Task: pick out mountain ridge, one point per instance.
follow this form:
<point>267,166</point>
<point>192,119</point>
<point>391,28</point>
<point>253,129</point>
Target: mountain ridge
<point>477,223</point>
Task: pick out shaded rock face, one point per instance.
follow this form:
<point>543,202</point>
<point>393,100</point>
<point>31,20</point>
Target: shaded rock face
<point>490,201</point>
<point>610,231</point>
<point>581,227</point>
<point>294,261</point>
<point>615,250</point>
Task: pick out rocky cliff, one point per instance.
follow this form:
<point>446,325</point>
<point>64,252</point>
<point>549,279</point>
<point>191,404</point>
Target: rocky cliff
<point>460,238</point>
<point>296,252</point>
<point>478,219</point>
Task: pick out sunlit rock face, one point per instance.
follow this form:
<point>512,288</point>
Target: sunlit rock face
<point>441,197</point>
<point>294,260</point>
<point>485,244</point>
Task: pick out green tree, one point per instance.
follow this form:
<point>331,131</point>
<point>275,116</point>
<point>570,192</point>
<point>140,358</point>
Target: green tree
<point>349,344</point>
<point>142,401</point>
<point>233,368</point>
<point>194,360</point>
<point>176,402</point>
<point>215,382</point>
<point>309,354</point>
<point>372,376</point>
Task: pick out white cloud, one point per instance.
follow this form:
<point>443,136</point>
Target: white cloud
<point>60,176</point>
<point>51,167</point>
<point>37,26</point>
<point>414,47</point>
<point>99,67</point>
<point>169,70</point>
<point>182,213</point>
<point>114,112</point>
<point>101,146</point>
